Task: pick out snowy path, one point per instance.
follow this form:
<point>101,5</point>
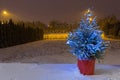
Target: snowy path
<point>20,71</point>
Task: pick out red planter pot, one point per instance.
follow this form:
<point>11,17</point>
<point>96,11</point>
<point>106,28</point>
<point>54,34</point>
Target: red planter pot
<point>86,67</point>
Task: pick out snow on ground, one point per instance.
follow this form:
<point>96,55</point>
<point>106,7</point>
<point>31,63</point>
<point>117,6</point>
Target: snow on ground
<point>18,71</point>
<point>50,60</point>
<point>52,51</point>
<point>46,51</point>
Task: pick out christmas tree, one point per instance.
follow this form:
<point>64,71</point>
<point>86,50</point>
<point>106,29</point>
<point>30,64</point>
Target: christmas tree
<point>86,42</point>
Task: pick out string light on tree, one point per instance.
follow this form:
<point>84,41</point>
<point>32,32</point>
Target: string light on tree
<point>88,15</point>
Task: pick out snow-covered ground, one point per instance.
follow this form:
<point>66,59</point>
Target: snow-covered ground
<point>52,51</point>
<point>47,51</point>
<point>25,62</point>
<point>18,71</point>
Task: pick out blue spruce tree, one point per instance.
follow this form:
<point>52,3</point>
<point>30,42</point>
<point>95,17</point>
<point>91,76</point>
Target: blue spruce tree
<point>86,42</point>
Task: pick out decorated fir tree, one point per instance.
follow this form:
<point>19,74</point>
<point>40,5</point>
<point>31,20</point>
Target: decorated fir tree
<point>86,42</point>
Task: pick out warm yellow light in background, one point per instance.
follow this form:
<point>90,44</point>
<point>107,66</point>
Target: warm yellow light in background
<point>5,12</point>
<point>103,36</point>
<point>90,19</point>
<point>88,11</point>
<point>56,36</point>
<point>6,15</point>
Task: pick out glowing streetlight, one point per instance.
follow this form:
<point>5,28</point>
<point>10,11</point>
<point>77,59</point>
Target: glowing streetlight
<point>5,13</point>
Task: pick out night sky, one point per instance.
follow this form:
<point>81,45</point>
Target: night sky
<point>60,10</point>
